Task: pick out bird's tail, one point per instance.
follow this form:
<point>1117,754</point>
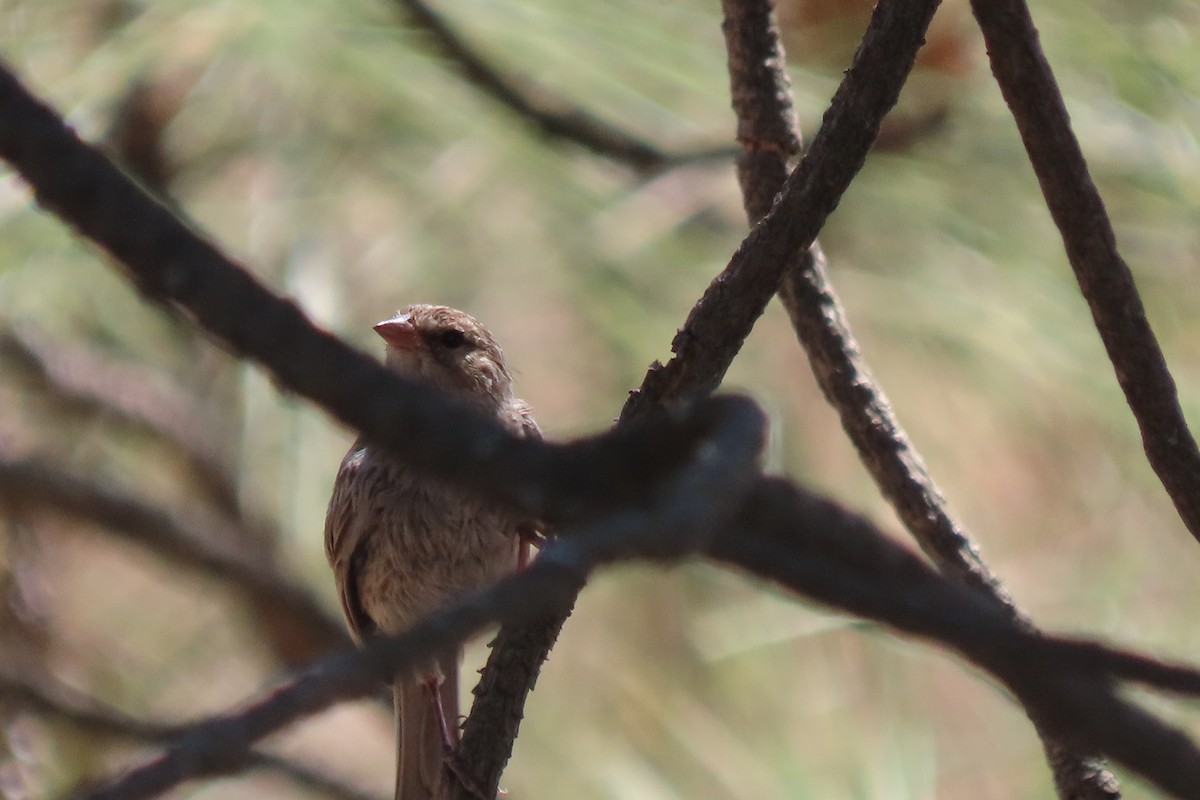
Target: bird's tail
<point>420,743</point>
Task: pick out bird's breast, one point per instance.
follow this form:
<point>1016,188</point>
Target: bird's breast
<point>427,544</point>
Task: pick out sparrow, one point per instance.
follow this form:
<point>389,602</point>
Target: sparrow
<point>402,544</point>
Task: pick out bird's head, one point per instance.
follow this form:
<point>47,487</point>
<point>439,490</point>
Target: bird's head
<point>447,349</point>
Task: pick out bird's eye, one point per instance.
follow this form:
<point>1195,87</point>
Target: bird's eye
<point>452,339</point>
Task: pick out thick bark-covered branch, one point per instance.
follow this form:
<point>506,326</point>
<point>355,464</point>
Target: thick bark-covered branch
<point>714,331</point>
<point>769,135</point>
<point>721,320</point>
<point>174,266</point>
<point>1105,279</point>
<point>806,543</point>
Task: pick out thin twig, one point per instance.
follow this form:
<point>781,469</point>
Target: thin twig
<point>1032,94</point>
<point>552,116</point>
<point>46,697</point>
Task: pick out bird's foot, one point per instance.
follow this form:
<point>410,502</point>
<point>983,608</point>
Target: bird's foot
<point>433,687</point>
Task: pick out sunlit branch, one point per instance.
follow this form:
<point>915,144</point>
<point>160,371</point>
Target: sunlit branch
<point>1105,279</point>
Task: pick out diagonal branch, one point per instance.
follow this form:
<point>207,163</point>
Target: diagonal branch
<point>806,543</point>
<point>769,135</point>
<point>696,501</point>
<point>170,263</point>
<point>220,745</point>
<point>687,514</point>
<point>1107,284</point>
<point>719,323</point>
<point>551,116</point>
<point>173,266</point>
<point>717,326</point>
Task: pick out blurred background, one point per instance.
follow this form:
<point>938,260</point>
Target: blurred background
<point>328,146</point>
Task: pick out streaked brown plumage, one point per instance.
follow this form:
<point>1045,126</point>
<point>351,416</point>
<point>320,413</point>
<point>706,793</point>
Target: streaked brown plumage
<point>402,544</point>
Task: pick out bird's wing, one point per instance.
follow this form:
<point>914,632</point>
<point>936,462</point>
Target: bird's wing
<point>345,525</point>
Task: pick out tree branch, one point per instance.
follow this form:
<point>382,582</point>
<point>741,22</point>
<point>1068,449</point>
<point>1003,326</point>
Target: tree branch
<point>809,545</point>
<point>692,505</point>
<point>169,263</point>
<point>173,266</point>
<point>769,134</point>
<point>719,323</point>
<point>827,554</point>
<point>1107,284</point>
<point>683,518</point>
<point>768,130</point>
<point>553,117</point>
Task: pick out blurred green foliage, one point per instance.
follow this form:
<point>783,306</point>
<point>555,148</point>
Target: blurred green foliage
<point>327,146</point>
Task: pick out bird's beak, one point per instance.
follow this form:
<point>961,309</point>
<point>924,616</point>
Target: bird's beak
<point>398,332</point>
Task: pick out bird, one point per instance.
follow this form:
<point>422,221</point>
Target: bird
<point>402,544</point>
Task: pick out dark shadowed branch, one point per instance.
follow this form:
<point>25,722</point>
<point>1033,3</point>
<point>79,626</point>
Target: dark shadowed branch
<point>807,544</point>
<point>219,746</point>
<point>691,509</point>
<point>1107,284</point>
<point>174,266</point>
<point>717,326</point>
<point>620,479</point>
<point>813,546</point>
<point>551,116</point>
